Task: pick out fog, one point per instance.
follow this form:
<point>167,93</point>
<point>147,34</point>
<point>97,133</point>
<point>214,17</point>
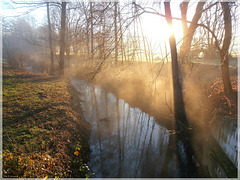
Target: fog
<point>149,87</point>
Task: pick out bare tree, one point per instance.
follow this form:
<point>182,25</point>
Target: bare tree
<point>179,109</point>
<point>188,31</point>
<point>50,40</point>
<point>116,31</point>
<point>224,51</point>
<point>62,38</point>
<point>222,39</point>
<point>91,20</point>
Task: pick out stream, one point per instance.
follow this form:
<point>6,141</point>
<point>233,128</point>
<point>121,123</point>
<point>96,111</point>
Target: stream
<point>127,142</point>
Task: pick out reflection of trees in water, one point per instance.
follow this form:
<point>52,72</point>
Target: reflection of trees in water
<point>119,139</point>
<point>141,128</point>
<point>122,145</point>
<point>132,144</point>
<point>142,158</point>
<point>124,127</point>
<point>95,104</point>
<point>106,106</point>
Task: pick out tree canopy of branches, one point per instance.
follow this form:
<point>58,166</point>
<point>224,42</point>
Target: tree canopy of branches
<point>106,31</point>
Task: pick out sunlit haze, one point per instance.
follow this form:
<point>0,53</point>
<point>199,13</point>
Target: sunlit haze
<point>119,89</point>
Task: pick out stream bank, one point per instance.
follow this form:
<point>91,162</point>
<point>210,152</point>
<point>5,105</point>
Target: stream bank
<point>44,134</point>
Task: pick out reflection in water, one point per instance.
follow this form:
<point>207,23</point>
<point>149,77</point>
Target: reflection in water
<point>125,141</point>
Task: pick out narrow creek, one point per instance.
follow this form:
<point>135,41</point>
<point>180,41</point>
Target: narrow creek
<point>127,142</point>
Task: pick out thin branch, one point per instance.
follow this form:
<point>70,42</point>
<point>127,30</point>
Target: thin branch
<point>165,103</point>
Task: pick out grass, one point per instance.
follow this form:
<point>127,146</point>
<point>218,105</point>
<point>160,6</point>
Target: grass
<point>43,134</point>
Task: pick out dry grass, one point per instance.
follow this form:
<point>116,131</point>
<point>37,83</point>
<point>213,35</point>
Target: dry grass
<point>41,134</point>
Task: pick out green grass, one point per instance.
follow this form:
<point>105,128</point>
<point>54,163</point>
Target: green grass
<point>40,127</point>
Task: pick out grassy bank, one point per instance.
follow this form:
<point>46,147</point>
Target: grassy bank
<point>43,133</point>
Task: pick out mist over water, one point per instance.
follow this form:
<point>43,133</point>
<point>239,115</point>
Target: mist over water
<point>133,127</point>
<point>125,141</point>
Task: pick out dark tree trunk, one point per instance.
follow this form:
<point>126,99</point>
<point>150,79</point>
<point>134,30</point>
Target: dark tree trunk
<point>225,48</point>
<point>184,145</point>
<point>121,35</point>
<point>5,49</point>
<point>87,32</point>
<point>179,109</point>
<point>104,37</point>
<point>225,74</point>
<point>62,39</point>
<point>115,32</point>
<point>50,41</point>
<point>91,20</point>
<point>68,56</point>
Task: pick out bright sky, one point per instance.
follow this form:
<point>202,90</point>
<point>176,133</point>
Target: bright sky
<point>12,10</point>
<point>154,27</point>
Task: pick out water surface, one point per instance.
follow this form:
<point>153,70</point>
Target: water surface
<point>127,142</point>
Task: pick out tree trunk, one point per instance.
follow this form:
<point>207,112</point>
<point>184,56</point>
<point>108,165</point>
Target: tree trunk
<point>62,39</point>
<point>184,144</point>
<point>188,32</point>
<point>225,74</point>
<point>179,109</point>
<point>50,41</point>
<point>121,36</point>
<point>68,56</point>
<point>91,21</point>
<point>115,32</point>
<point>104,38</point>
<point>5,49</point>
<point>225,48</point>
<point>87,34</point>
<point>184,8</point>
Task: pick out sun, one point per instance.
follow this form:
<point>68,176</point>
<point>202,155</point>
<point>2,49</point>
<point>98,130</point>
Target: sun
<point>156,34</point>
<point>157,28</point>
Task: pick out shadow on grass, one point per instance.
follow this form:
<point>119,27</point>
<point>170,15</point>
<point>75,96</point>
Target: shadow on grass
<point>37,79</point>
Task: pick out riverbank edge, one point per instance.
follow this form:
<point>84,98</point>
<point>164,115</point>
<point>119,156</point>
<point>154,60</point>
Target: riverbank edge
<point>84,129</point>
<point>77,142</point>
